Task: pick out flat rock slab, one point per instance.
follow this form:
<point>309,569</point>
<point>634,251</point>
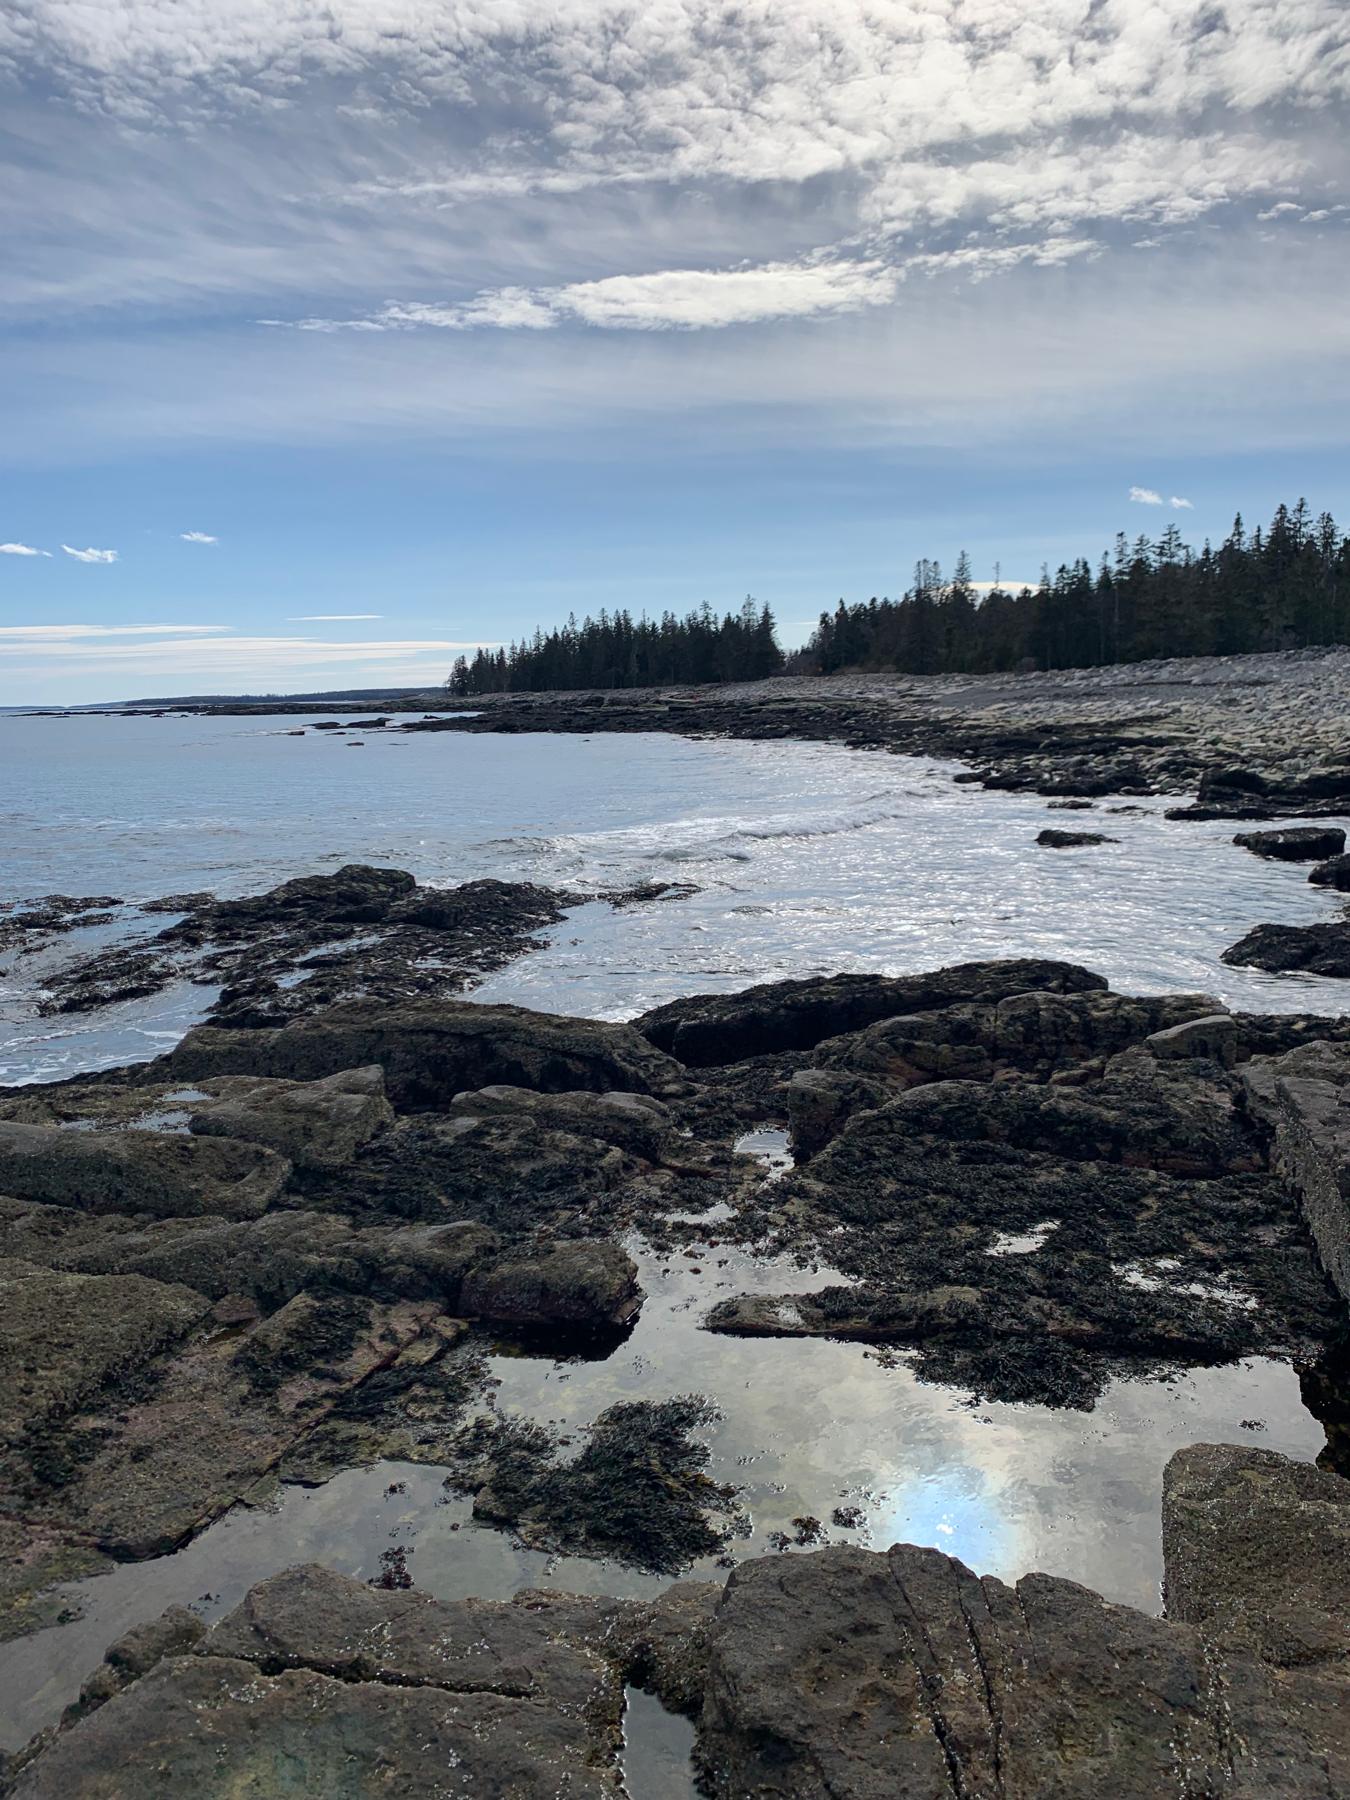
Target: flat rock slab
<point>1305,1096</point>
<point>216,1729</point>
<point>148,1172</point>
<point>63,1337</point>
<point>137,1475</point>
<point>903,1676</point>
<point>432,1050</point>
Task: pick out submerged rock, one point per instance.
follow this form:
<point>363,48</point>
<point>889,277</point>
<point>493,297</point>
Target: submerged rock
<point>1054,839</point>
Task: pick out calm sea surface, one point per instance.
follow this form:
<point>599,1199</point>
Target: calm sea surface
<point>808,859</point>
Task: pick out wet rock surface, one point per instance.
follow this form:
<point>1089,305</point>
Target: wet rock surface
<point>1305,843</point>
<point>310,942</point>
<point>1294,949</point>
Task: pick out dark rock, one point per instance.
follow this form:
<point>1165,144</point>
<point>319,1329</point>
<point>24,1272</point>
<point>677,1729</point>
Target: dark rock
<point>268,1260</point>
<point>355,894</point>
<point>1285,949</point>
<point>1304,1097</point>
<point>145,1172</point>
<point>708,1029</point>
<point>432,1050</point>
<point>1053,839</point>
<point>821,1102</point>
<point>905,1677</point>
<point>637,1123</point>
<point>1300,843</point>
<point>1213,1037</point>
<point>1257,1549</point>
<point>316,1124</point>
<point>586,1284</point>
<point>65,1337</point>
<point>135,1653</point>
<point>1335,873</point>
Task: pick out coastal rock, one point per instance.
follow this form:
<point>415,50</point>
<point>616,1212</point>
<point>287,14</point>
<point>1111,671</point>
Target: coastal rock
<point>137,1480</point>
<point>268,1261</point>
<point>1285,949</point>
<point>215,1727</point>
<point>821,1102</point>
<point>1304,1097</point>
<point>586,1284</point>
<point>65,1337</point>
<point>1334,873</point>
<point>316,1124</point>
<point>431,1050</point>
<point>355,894</point>
<point>710,1029</point>
<point>1299,843</point>
<point>903,1676</point>
<point>144,1172</point>
<point>1213,1037</point>
<point>1054,839</point>
<point>637,1123</point>
<point>1257,1549</point>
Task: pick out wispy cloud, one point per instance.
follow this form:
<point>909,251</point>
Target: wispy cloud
<point>55,634</point>
<point>198,537</point>
<point>21,550</point>
<point>90,556</point>
<point>329,618</point>
<point>1143,496</point>
<point>1178,501</point>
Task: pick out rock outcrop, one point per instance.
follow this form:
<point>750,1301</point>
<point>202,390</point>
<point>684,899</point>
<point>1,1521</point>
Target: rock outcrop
<point>1322,949</point>
<point>1297,843</point>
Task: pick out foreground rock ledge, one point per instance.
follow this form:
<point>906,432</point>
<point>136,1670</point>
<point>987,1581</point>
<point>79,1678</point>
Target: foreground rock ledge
<point>845,1673</point>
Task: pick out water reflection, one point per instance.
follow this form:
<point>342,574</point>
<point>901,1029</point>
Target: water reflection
<point>808,1427</point>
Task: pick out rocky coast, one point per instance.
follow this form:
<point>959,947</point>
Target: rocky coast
<point>292,1245</point>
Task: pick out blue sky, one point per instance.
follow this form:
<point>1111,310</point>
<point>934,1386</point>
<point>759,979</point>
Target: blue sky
<point>463,314</point>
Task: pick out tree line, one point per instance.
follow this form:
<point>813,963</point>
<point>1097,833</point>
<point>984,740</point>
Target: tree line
<point>1277,589</point>
<point>618,651</point>
<point>1274,589</point>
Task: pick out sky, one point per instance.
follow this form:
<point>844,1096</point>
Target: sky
<point>339,335</point>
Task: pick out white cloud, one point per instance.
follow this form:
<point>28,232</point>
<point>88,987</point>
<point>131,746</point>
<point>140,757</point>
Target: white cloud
<point>329,618</point>
<point>55,634</point>
<point>1143,496</point>
<point>21,550</point>
<point>198,537</point>
<point>90,556</point>
<point>669,299</point>
<point>1178,501</point>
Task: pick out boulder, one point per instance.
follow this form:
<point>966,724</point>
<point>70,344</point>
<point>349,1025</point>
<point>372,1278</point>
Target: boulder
<point>822,1101</point>
<point>1304,1097</point>
<point>1322,949</point>
<point>153,1173</point>
<point>355,894</point>
<point>432,1050</point>
<point>1298,843</point>
<point>317,1124</point>
<point>1257,1551</point>
<point>65,1337</point>
<point>1212,1037</point>
<point>588,1284</point>
<point>903,1676</point>
<point>710,1029</point>
<point>1334,873</point>
<point>637,1123</point>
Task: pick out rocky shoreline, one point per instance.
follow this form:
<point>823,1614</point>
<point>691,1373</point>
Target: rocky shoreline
<point>284,1247</point>
<point>291,1246</point>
